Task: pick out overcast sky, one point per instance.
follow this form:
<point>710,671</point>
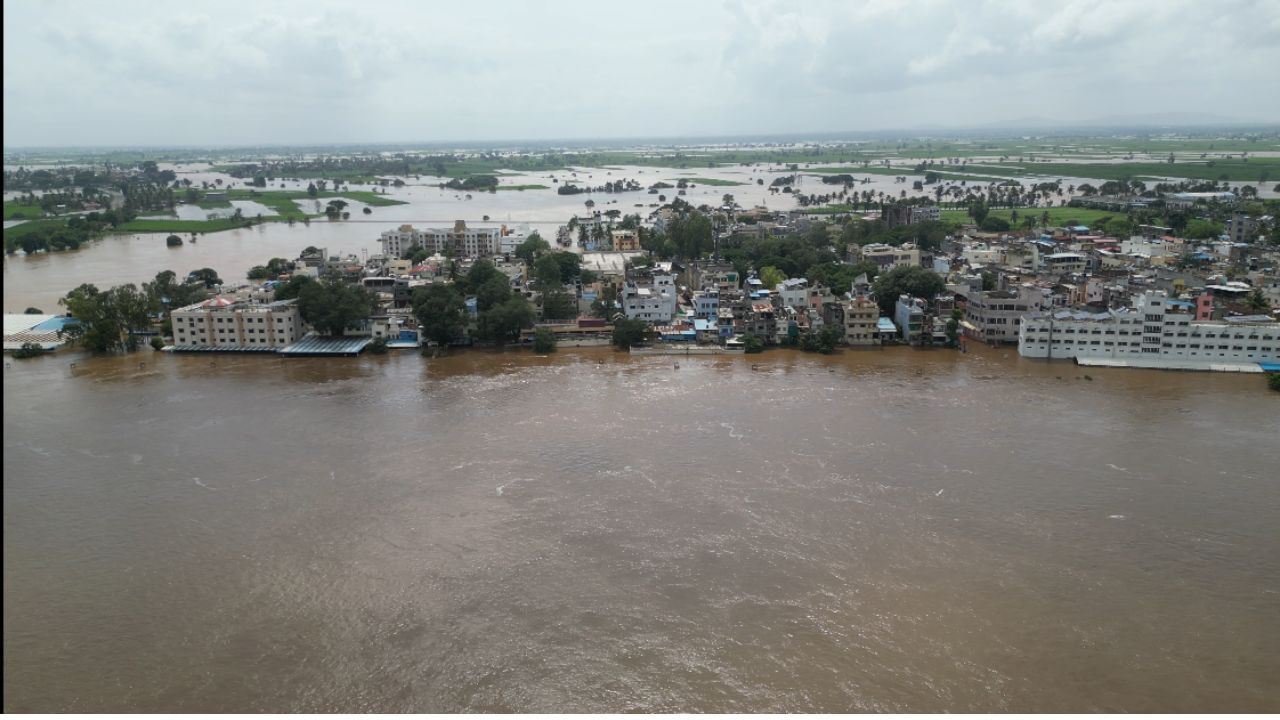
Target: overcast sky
<point>283,72</point>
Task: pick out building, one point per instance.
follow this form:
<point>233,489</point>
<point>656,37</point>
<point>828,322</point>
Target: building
<point>1064,263</point>
<point>860,317</point>
<point>895,214</point>
<point>459,241</point>
<point>706,303</point>
<point>222,322</point>
<point>993,316</point>
<point>626,240</point>
<point>889,257</point>
<point>654,301</point>
<point>909,316</point>
<point>1241,228</point>
<point>1155,333</point>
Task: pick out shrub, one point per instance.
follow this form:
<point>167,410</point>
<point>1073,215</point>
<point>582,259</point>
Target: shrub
<point>544,341</point>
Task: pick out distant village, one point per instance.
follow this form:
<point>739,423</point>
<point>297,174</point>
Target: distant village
<point>1151,299</point>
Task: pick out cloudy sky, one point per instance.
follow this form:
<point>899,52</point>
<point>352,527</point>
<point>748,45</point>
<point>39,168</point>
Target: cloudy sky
<point>281,72</point>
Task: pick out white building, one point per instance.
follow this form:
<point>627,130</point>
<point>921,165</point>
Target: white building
<point>654,302</point>
<point>1150,335</point>
<point>460,240</point>
<point>223,322</point>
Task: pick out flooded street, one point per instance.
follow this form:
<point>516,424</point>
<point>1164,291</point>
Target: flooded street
<point>886,530</point>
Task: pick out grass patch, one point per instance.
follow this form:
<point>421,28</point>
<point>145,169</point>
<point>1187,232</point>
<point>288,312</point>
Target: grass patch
<point>524,187</point>
<point>1235,170</point>
<point>32,226</point>
<point>715,182</point>
<point>181,226</point>
<point>1058,216</point>
<point>27,212</point>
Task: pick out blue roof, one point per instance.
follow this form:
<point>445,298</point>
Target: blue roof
<point>701,324</point>
<point>54,324</point>
<point>1270,366</point>
<point>885,324</point>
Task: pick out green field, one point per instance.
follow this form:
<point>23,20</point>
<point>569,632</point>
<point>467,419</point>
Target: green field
<point>1235,170</point>
<point>714,182</point>
<point>28,212</point>
<point>282,201</point>
<point>524,187</point>
<point>31,226</point>
<point>180,226</point>
<point>1058,216</point>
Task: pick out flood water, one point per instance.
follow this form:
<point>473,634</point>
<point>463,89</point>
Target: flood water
<point>881,530</point>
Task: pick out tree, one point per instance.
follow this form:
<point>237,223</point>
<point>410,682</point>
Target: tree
<point>157,343</point>
<point>173,241</point>
<point>558,305</point>
<point>1273,380</point>
<point>1257,302</point>
<point>546,273</point>
<point>953,326</point>
<point>994,224</point>
<point>752,344</point>
<point>312,191</point>
<point>915,281</point>
<point>33,311</point>
<point>439,310</point>
<point>771,276</point>
<point>570,265</point>
<point>605,305</point>
<point>978,211</point>
<point>106,319</point>
<point>28,350</point>
<point>503,322</point>
<point>293,288</point>
<point>333,306</point>
<point>1202,229</point>
<point>531,248</point>
<point>628,332</point>
<point>208,276</point>
<point>492,293</point>
<point>544,341</point>
<point>378,346</point>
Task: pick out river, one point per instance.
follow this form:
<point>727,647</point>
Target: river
<point>886,530</point>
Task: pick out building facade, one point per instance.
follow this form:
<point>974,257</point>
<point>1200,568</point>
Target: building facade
<point>223,322</point>
<point>1152,334</point>
<point>459,241</point>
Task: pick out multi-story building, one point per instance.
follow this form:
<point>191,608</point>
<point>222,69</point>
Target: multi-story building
<point>1155,333</point>
<point>909,315</point>
<point>706,303</point>
<point>460,240</point>
<point>993,316</point>
<point>653,301</point>
<point>889,257</point>
<point>895,214</point>
<point>626,240</point>
<point>1241,228</point>
<point>226,322</point>
<point>860,317</point>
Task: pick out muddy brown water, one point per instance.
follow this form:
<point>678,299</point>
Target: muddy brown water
<point>884,530</point>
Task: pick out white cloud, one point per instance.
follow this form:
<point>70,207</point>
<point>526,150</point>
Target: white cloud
<point>237,72</point>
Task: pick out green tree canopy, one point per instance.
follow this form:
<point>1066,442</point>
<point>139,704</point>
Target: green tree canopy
<point>628,332</point>
<point>106,318</point>
<point>916,281</point>
<point>502,323</point>
<point>532,247</point>
<point>439,310</point>
<point>333,306</point>
<point>771,276</point>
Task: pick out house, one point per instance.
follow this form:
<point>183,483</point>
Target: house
<point>993,316</point>
<point>909,314</point>
<point>626,240</point>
